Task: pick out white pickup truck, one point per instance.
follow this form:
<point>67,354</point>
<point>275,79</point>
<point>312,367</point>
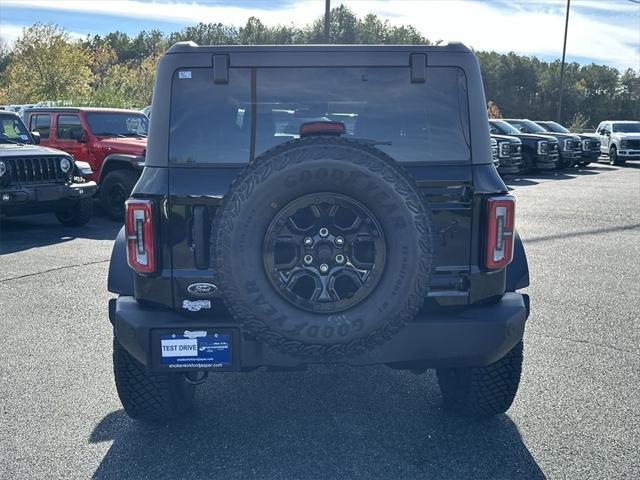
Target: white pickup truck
<point>619,140</point>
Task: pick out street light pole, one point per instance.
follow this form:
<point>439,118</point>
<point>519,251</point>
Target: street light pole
<point>564,51</point>
<point>327,19</point>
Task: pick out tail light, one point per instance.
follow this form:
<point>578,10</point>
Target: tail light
<point>140,235</point>
<point>500,231</point>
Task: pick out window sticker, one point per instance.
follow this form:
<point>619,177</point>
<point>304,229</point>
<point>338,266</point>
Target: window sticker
<point>184,74</point>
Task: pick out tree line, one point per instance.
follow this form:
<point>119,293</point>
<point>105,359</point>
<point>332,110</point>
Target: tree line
<point>117,69</point>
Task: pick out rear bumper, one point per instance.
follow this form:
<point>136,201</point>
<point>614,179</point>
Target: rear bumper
<point>474,336</point>
<point>24,199</point>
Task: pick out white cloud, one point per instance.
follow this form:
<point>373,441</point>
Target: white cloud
<point>9,32</point>
<point>534,28</point>
<point>526,30</point>
<point>183,11</point>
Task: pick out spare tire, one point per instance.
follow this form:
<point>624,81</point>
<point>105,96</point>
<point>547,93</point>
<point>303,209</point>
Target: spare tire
<point>323,247</point>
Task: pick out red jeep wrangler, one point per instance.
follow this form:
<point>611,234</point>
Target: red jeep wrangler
<point>111,140</point>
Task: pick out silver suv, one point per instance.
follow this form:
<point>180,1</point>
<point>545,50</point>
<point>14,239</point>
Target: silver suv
<point>620,140</point>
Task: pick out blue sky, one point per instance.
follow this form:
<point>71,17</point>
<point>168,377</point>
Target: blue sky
<point>600,31</point>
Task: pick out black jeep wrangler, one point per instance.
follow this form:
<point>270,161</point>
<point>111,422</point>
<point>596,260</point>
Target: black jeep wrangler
<point>35,179</point>
<point>318,204</point>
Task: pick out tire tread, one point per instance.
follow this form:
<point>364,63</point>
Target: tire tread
<point>482,391</point>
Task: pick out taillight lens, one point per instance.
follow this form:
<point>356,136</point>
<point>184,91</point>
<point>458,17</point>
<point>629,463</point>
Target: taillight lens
<point>500,231</point>
<point>140,235</point>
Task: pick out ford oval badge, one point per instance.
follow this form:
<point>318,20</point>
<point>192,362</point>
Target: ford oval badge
<point>202,289</point>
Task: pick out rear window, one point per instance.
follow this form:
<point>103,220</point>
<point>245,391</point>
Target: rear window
<point>210,123</point>
<point>413,122</point>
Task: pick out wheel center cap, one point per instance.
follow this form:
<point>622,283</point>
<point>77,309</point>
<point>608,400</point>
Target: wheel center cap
<point>324,252</point>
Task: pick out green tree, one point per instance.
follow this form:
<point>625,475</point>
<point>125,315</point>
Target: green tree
<point>342,27</point>
<point>5,56</point>
<point>253,33</point>
<point>206,34</point>
<point>126,85</point>
<point>629,95</point>
<point>51,66</point>
<point>578,123</point>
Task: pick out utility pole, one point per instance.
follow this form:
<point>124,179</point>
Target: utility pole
<point>564,51</point>
<point>327,20</point>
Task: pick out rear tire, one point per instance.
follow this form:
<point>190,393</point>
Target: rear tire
<point>150,397</point>
<point>482,391</point>
<point>77,215</point>
<point>115,189</point>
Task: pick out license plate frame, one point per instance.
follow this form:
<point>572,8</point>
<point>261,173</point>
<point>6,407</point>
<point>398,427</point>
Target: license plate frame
<point>194,349</point>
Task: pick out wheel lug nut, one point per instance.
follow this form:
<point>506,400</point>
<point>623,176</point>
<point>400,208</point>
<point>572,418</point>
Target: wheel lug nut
<point>323,232</point>
<point>340,258</point>
<point>308,241</point>
<point>339,241</point>
<point>308,259</point>
<point>324,268</point>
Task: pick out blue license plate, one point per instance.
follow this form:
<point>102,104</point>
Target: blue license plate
<point>195,349</point>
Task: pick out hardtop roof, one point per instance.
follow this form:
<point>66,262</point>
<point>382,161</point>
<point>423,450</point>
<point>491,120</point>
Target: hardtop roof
<point>82,109</point>
<point>192,47</point>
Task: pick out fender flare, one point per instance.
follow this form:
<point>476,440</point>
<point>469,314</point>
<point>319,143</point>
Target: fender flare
<point>120,279</point>
<point>133,162</point>
<point>518,269</point>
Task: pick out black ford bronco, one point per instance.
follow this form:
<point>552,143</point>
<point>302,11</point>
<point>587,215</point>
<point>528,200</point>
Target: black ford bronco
<point>36,179</point>
<point>318,204</point>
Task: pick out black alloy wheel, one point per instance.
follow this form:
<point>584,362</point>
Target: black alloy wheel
<point>324,252</point>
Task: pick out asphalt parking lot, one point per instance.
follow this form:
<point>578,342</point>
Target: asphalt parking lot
<point>577,414</point>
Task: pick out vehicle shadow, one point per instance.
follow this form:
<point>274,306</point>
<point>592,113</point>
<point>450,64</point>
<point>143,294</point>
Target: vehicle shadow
<point>536,178</point>
<point>32,231</point>
<point>327,422</point>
